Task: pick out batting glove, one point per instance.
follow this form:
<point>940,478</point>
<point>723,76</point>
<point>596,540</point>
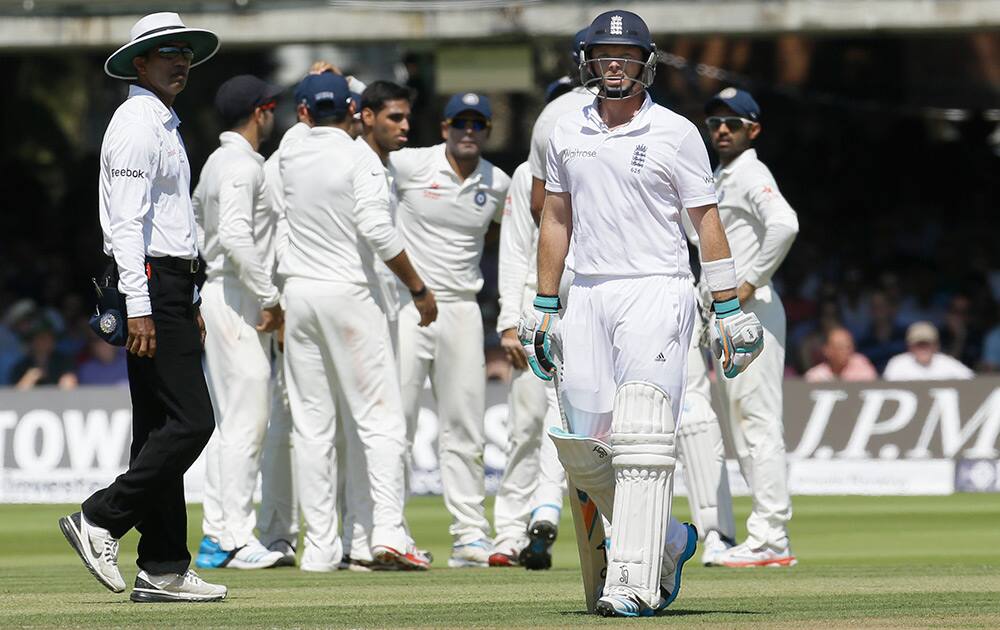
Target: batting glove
<point>537,333</point>
<point>737,337</point>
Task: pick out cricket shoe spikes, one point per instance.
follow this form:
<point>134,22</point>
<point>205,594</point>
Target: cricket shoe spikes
<point>743,555</point>
<point>538,554</point>
<point>96,547</point>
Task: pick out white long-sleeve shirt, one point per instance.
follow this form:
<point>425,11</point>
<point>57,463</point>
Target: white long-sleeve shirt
<point>145,200</point>
<point>235,219</point>
<point>444,218</point>
<point>517,275</point>
<point>387,281</point>
<point>276,187</point>
<point>760,224</point>
<point>338,210</point>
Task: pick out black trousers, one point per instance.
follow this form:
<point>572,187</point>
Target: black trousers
<point>172,421</point>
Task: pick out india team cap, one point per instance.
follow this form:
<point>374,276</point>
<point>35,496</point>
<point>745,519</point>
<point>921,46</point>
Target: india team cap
<point>737,100</point>
<point>240,95</point>
<point>153,30</point>
<point>468,102</point>
<point>324,94</point>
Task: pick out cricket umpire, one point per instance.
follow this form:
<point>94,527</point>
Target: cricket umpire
<point>149,229</point>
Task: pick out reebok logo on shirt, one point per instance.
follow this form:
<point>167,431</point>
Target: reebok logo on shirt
<point>127,172</point>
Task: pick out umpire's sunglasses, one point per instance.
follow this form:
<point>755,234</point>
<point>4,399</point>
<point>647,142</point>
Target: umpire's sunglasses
<point>477,124</point>
<point>732,123</point>
<point>173,52</point>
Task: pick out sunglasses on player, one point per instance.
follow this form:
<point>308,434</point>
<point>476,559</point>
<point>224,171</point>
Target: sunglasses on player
<point>732,123</point>
<point>477,124</point>
<point>173,52</point>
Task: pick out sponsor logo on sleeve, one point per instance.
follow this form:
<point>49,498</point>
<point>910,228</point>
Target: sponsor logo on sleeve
<point>127,172</point>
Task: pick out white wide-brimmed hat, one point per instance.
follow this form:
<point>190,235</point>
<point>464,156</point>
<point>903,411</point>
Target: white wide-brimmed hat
<point>154,29</point>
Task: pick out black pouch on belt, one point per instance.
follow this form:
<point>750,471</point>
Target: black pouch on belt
<point>110,321</point>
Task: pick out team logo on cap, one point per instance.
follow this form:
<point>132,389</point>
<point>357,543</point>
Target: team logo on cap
<point>616,25</point>
<point>471,99</point>
<point>480,198</point>
<point>108,323</point>
<point>729,92</point>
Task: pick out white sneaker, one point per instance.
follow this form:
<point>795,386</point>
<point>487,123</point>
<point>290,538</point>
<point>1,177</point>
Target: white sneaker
<point>321,560</point>
<point>96,547</point>
<point>743,556</point>
<point>411,559</point>
<point>715,546</point>
<point>287,551</point>
<point>176,587</point>
<point>474,554</point>
<point>254,556</point>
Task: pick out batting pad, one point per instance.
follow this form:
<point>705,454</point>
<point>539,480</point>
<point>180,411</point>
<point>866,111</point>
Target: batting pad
<point>699,442</point>
<point>642,442</point>
<point>587,461</point>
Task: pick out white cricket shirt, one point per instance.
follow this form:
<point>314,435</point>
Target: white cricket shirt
<point>276,188</point>
<point>573,101</point>
<point>235,220</point>
<point>386,278</point>
<point>444,219</point>
<point>517,270</point>
<point>628,188</point>
<point>338,210</point>
<point>904,367</point>
<point>760,224</point>
<point>145,199</point>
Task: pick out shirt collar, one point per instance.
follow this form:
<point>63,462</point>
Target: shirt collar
<point>593,114</point>
<point>444,166</point>
<point>330,131</point>
<point>747,156</point>
<point>237,141</point>
<point>166,114</point>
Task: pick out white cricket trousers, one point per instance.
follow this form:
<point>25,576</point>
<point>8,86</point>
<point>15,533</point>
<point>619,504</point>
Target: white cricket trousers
<point>752,406</point>
<point>533,482</point>
<point>278,515</point>
<point>450,352</point>
<point>238,371</point>
<point>337,344</point>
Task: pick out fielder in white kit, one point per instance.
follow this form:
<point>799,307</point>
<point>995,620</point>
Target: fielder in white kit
<point>240,306</point>
<point>761,227</point>
<point>529,499</point>
<point>621,173</point>
<point>448,196</point>
<point>336,338</point>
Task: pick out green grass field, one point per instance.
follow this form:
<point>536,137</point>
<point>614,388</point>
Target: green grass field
<point>886,562</point>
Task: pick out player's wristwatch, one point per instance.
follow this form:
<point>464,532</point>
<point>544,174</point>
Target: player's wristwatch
<point>416,295</point>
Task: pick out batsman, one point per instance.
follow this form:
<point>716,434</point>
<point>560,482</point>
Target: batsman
<point>620,173</point>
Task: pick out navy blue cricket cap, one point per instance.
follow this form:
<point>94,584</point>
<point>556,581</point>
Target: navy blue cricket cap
<point>578,41</point>
<point>323,94</point>
<point>240,95</point>
<point>468,102</point>
<point>737,100</point>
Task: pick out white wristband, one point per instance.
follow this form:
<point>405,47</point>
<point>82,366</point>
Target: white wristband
<point>720,274</point>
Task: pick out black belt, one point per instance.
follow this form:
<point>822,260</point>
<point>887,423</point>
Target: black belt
<point>184,265</point>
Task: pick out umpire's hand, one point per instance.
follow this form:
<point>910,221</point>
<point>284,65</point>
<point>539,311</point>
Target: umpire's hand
<point>141,336</point>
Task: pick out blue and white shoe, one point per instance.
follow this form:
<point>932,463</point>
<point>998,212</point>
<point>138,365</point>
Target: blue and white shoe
<point>622,602</point>
<point>670,585</point>
<point>210,554</point>
<point>474,554</point>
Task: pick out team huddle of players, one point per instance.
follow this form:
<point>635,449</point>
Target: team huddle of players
<point>342,275</point>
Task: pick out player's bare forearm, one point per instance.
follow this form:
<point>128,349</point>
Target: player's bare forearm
<point>714,244</point>
<point>537,199</point>
<point>553,241</point>
<point>401,266</point>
